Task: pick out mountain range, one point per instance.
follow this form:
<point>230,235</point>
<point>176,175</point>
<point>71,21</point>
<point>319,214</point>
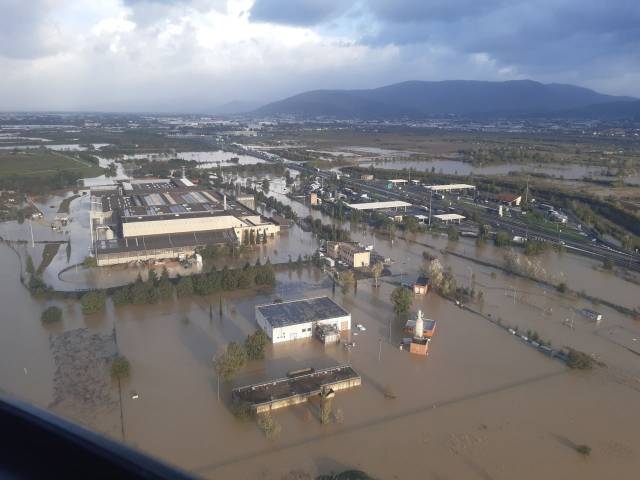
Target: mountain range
<point>420,99</point>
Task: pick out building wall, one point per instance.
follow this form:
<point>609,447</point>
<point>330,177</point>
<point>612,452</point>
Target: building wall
<point>292,332</point>
<point>420,289</point>
<point>104,259</point>
<point>301,330</point>
<point>180,225</point>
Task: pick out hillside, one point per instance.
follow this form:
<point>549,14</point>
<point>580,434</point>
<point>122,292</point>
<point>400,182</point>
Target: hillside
<point>416,99</point>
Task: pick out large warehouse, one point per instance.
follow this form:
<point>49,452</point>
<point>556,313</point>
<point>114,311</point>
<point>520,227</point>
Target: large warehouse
<point>298,318</point>
<point>152,220</point>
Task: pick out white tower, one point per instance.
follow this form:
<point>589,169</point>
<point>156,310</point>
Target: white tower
<point>225,201</point>
<point>419,330</point>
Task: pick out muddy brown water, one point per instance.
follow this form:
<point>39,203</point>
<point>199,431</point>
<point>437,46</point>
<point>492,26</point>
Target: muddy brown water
<point>482,405</point>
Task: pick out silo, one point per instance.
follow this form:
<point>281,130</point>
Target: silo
<point>419,325</point>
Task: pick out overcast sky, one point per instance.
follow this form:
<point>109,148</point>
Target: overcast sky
<point>190,55</point>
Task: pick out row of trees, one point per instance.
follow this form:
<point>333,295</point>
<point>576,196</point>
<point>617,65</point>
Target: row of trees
<point>327,232</point>
<point>271,202</point>
<point>155,288</point>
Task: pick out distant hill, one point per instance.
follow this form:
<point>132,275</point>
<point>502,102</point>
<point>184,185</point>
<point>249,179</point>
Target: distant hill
<point>458,97</point>
<point>234,107</point>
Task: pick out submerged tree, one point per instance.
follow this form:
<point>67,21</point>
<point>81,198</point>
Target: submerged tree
<point>401,299</point>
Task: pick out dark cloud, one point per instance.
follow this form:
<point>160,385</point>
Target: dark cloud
<point>529,35</point>
<point>297,12</point>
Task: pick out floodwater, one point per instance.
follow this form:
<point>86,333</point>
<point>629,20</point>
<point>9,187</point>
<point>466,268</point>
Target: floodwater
<point>569,171</point>
<point>70,147</point>
<point>482,405</point>
<point>208,159</point>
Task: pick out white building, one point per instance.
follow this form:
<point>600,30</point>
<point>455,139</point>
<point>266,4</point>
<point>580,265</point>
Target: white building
<point>297,319</point>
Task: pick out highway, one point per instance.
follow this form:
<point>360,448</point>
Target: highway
<point>420,197</point>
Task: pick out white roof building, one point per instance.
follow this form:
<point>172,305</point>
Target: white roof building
<point>452,186</point>
<point>450,217</point>
<point>378,205</point>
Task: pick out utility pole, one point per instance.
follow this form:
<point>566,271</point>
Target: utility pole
<point>430,201</point>
<point>33,243</point>
<point>379,349</point>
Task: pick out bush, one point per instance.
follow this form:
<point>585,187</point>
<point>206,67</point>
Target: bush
<point>241,410</point>
<point>51,315</point>
<point>584,450</point>
<point>233,359</point>
<point>120,368</point>
<point>268,425</point>
<point>90,262</point>
<point>579,360</point>
<point>93,301</point>
<point>37,287</point>
<point>184,287</point>
<point>502,239</point>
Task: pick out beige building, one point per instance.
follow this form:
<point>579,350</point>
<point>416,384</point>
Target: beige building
<point>350,253</point>
<point>314,199</point>
<point>170,219</point>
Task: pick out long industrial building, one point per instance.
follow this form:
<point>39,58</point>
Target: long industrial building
<point>295,389</point>
<point>153,220</point>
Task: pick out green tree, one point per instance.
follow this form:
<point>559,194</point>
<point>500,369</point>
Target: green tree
<point>401,299</point>
<point>255,345</point>
<point>121,296</point>
<point>51,315</point>
<point>453,234</point>
<point>233,359</point>
<point>93,301</point>
<point>120,368</point>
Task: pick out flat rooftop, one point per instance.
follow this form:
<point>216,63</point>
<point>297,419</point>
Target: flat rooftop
<point>306,385</point>
<point>301,311</point>
<point>163,200</point>
<point>451,186</point>
<point>449,216</point>
<point>378,205</point>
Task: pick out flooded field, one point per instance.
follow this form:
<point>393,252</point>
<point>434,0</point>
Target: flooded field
<point>483,404</point>
<point>207,159</point>
<point>457,167</point>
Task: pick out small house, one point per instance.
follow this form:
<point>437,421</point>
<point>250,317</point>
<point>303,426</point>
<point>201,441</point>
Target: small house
<point>421,285</point>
